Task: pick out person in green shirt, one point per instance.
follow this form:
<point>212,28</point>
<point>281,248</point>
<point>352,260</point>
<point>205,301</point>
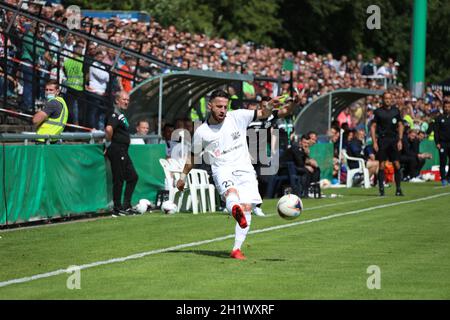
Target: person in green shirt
<point>30,60</point>
<point>73,69</point>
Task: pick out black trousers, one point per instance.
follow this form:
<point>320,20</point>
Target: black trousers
<point>77,107</point>
<point>122,171</point>
<point>307,180</point>
<point>444,154</point>
<point>412,165</point>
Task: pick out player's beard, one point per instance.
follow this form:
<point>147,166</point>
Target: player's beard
<point>219,117</point>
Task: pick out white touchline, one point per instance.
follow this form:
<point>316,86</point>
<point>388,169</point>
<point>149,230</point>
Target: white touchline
<point>193,244</point>
<point>267,215</point>
<point>335,204</point>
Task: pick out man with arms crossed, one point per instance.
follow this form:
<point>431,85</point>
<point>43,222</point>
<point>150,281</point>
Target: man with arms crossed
<point>223,139</point>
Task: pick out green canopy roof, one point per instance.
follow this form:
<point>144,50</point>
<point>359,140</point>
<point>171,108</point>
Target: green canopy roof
<point>318,114</point>
<point>180,91</point>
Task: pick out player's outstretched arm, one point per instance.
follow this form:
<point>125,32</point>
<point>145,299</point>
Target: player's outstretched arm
<point>266,108</point>
<point>287,109</point>
<point>187,168</point>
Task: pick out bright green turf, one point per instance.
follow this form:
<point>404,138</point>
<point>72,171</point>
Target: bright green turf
<point>321,260</point>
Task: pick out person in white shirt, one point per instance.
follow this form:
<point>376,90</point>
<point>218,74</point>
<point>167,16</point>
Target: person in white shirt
<point>142,128</point>
<point>222,138</point>
<point>96,93</point>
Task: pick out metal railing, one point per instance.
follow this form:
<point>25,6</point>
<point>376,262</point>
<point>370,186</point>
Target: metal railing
<point>91,138</point>
<point>36,74</point>
<point>381,79</point>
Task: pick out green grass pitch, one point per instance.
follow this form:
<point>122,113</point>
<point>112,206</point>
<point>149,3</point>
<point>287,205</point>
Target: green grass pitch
<point>322,259</point>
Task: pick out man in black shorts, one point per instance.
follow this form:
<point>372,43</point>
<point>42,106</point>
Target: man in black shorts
<point>387,134</point>
<point>117,131</point>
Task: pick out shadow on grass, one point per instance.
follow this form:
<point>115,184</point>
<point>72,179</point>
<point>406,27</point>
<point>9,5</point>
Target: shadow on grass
<point>218,254</point>
<point>273,260</point>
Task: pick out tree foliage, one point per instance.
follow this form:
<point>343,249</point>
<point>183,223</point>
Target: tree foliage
<point>337,26</point>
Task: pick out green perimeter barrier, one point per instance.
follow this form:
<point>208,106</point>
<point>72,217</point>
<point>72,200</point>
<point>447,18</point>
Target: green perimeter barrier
<point>323,154</point>
<point>47,181</point>
<point>427,146</point>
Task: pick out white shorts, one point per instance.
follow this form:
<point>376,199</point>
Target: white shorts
<point>244,182</point>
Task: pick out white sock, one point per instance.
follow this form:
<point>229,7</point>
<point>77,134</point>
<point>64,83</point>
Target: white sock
<point>240,234</point>
<point>231,200</point>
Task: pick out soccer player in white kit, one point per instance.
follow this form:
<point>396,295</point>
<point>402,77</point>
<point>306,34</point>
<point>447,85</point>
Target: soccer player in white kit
<point>223,139</point>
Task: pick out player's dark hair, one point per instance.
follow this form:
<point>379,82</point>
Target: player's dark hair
<point>304,137</point>
<point>168,125</point>
<point>52,82</point>
<point>219,94</point>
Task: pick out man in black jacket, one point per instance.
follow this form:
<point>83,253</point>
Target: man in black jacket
<point>306,167</point>
<point>442,140</point>
<point>410,158</point>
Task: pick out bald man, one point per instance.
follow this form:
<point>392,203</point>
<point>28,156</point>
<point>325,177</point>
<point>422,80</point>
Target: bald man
<point>117,132</point>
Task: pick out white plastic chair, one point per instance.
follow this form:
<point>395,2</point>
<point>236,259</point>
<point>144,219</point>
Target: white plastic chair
<point>199,184</point>
<point>361,170</point>
<point>204,182</point>
<point>175,165</point>
<point>172,174</point>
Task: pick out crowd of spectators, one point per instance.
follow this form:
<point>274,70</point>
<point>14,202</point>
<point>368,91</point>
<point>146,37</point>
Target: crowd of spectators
<point>312,75</point>
<point>418,116</point>
<point>63,56</point>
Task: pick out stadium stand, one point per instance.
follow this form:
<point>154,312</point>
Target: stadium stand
<point>135,50</point>
<point>37,44</point>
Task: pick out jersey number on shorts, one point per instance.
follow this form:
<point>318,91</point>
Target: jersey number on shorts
<point>227,184</point>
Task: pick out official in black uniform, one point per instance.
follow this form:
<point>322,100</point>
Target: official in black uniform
<point>442,140</point>
<point>117,131</point>
<point>387,135</point>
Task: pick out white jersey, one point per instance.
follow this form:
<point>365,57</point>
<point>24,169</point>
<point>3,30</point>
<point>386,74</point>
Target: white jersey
<point>225,144</point>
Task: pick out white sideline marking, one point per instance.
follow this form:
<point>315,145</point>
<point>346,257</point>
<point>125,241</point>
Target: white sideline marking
<point>109,217</point>
<point>193,244</point>
<point>334,204</point>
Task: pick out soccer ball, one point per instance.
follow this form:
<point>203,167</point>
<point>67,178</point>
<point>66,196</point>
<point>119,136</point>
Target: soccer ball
<point>325,183</point>
<point>168,207</point>
<point>289,206</point>
<point>143,206</point>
